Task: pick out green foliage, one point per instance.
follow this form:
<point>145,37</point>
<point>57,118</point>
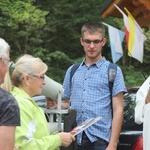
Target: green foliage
<point>50,29</point>
<point>133,77</point>
<point>58,64</point>
<point>24,23</point>
<point>65,20</point>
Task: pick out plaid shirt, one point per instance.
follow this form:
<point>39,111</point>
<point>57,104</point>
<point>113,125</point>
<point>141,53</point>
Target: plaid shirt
<point>90,95</point>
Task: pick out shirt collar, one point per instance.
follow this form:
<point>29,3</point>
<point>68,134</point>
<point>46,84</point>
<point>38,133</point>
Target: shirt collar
<point>21,92</point>
<point>97,63</point>
<point>100,62</point>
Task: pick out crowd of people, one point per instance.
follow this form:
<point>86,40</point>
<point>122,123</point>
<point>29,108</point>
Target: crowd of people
<point>22,122</point>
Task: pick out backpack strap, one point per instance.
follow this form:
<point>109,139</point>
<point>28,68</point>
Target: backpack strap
<point>112,71</point>
<point>73,69</point>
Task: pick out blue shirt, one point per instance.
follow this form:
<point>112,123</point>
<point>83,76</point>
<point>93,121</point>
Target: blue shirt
<point>90,95</point>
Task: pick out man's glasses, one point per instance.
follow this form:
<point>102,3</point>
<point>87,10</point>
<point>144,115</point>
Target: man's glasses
<point>95,42</point>
<point>40,77</point>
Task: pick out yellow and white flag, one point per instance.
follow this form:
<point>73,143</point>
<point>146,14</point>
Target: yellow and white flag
<point>134,36</point>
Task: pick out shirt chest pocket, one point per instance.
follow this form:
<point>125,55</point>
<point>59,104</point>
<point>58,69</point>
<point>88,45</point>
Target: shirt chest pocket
<point>97,80</point>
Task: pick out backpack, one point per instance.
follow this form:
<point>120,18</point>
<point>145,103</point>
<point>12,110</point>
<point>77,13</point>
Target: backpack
<point>112,70</point>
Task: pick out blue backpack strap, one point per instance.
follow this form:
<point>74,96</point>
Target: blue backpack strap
<point>73,69</point>
<point>112,71</point>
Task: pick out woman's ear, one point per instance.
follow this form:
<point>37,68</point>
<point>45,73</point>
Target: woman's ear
<point>26,79</point>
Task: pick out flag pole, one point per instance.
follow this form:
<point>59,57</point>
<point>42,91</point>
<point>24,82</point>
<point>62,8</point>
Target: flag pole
<point>119,9</point>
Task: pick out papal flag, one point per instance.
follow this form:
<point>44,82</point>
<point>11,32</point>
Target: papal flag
<point>134,36</point>
<point>116,37</point>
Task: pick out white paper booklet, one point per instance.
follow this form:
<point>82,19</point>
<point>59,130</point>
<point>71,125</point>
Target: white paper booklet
<point>84,125</point>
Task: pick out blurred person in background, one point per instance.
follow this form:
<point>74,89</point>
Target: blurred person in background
<point>27,80</point>
<point>142,111</point>
<point>9,110</point>
<point>7,82</point>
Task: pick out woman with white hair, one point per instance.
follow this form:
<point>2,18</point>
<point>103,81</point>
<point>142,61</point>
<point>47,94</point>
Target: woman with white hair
<point>28,79</point>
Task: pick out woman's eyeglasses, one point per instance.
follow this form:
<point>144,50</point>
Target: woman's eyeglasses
<point>40,77</point>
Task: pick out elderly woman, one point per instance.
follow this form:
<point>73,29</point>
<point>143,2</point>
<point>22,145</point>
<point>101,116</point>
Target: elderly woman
<point>28,79</point>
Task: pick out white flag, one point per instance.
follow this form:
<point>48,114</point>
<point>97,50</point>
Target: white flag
<point>116,37</point>
<point>134,36</point>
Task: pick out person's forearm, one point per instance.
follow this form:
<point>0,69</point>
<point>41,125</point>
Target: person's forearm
<point>116,129</point>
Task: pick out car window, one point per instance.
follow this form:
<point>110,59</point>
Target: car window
<point>129,105</point>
